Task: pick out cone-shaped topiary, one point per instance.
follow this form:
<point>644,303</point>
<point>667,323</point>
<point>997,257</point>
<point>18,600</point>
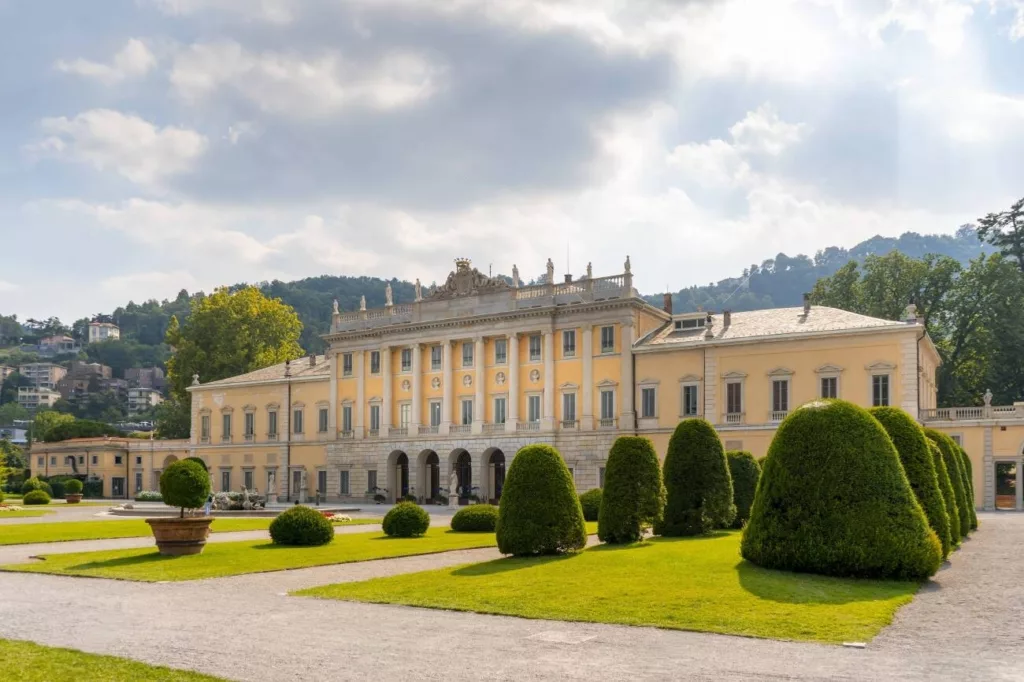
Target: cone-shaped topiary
<point>916,457</point>
<point>965,459</point>
<point>539,512</point>
<point>590,501</point>
<point>948,496</point>
<point>956,476</point>
<point>745,472</point>
<point>634,495</point>
<point>185,484</point>
<point>833,499</point>
<point>697,482</point>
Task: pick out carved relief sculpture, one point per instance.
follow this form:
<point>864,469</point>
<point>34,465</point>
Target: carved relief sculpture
<point>436,382</point>
<point>535,376</point>
<point>499,378</point>
<point>467,281</point>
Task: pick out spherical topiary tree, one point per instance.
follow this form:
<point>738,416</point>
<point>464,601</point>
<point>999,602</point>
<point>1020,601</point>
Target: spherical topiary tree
<point>634,494</point>
<point>73,487</point>
<point>948,496</point>
<point>301,526</point>
<point>912,447</point>
<point>185,484</point>
<point>539,512</point>
<point>697,482</point>
<point>745,472</point>
<point>198,460</point>
<point>406,520</point>
<point>590,502</point>
<point>965,460</point>
<point>34,483</point>
<point>475,518</point>
<point>956,476</point>
<point>833,499</point>
<point>36,497</point>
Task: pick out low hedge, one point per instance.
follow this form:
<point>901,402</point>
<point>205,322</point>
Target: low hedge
<point>36,497</point>
<point>476,518</point>
<point>35,483</point>
<point>634,495</point>
<point>301,526</point>
<point>406,520</point>
<point>745,473</point>
<point>590,501</point>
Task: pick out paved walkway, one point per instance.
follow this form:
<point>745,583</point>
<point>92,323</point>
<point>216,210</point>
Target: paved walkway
<point>966,625</point>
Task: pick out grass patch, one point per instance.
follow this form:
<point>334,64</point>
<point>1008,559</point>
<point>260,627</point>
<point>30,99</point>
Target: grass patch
<point>21,534</point>
<point>22,514</point>
<point>29,662</point>
<point>685,584</point>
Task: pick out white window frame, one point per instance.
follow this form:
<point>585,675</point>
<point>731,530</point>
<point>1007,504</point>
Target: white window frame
<point>653,392</point>
<point>568,343</point>
<point>531,399</point>
<point>323,419</point>
<point>601,401</point>
<point>738,383</point>
<point>204,427</point>
<point>346,364</point>
<point>569,405</point>
<point>502,358</point>
<point>888,389</point>
<point>225,426</point>
<point>785,385</point>
<point>880,369</point>
<point>500,409</point>
<point>375,360</point>
<point>829,372</point>
<point>272,423</point>
<point>833,380</point>
<point>533,356</point>
<point>248,478</point>
<point>607,349</point>
<point>298,419</point>
<point>346,417</point>
<point>466,411</point>
<point>439,412</point>
<point>344,482</point>
<point>375,417</point>
<point>689,382</point>
<point>467,355</point>
<point>438,362</point>
<point>250,424</point>
<point>404,414</point>
<point>406,354</point>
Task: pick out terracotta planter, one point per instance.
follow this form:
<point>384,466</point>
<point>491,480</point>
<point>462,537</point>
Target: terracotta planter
<point>73,498</point>
<point>181,536</point>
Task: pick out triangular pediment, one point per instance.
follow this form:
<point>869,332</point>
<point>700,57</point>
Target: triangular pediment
<point>689,379</point>
<point>780,372</point>
<point>880,365</point>
<point>605,383</point>
<point>569,386</point>
<point>829,369</point>
<point>734,375</point>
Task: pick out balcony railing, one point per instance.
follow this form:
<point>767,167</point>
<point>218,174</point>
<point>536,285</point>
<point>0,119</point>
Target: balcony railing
<point>952,414</point>
<point>461,428</point>
<point>426,429</point>
<point>569,424</point>
<point>271,436</point>
<point>777,415</point>
<point>399,431</point>
<point>348,434</point>
<point>528,426</point>
<point>734,418</point>
<point>494,428</point>
<point>373,433</point>
<point>607,423</point>
<point>249,437</point>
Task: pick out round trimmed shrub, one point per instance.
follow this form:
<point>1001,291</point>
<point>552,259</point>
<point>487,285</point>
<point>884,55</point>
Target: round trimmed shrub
<point>634,495</point>
<point>590,502</point>
<point>406,520</point>
<point>539,512</point>
<point>916,458</point>
<point>301,526</point>
<point>956,476</point>
<point>73,487</point>
<point>965,459</point>
<point>833,500</point>
<point>185,484</point>
<point>198,460</point>
<point>35,484</point>
<point>36,497</point>
<point>476,518</point>
<point>948,496</point>
<point>745,473</point>
<point>697,483</point>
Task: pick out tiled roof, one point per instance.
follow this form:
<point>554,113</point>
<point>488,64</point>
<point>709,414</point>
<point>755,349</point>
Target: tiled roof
<point>300,369</point>
<point>756,324</point>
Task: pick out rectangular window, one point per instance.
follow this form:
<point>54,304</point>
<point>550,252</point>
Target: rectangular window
<point>734,398</point>
<point>247,479</point>
<point>500,351</point>
<point>346,418</point>
<point>371,480</point>
<point>435,357</point>
<point>321,483</point>
<point>407,359</point>
<point>138,460</point>
<point>958,439</point>
<point>226,426</point>
<point>690,401</point>
<point>648,397</point>
<point>42,460</point>
<point>138,481</point>
<point>569,343</point>
<point>880,390</point>
<point>534,347</point>
<point>344,483</point>
<point>607,404</point>
<point>467,354</point>
<point>297,421</point>
<point>467,412</point>
<point>225,481</point>
<point>375,362</point>
<point>272,424</point>
<point>95,459</point>
<point>321,419</point>
<point>250,424</point>
<point>499,410</point>
<point>569,407</point>
<point>780,395</point>
<point>346,364</point>
<point>607,339</point>
<point>435,412</point>
<point>53,461</point>
<point>204,429</point>
<point>533,408</point>
<point>404,415</point>
<point>81,459</point>
<point>829,387</point>
<point>374,417</point>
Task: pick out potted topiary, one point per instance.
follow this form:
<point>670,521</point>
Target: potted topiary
<point>73,491</point>
<point>184,484</point>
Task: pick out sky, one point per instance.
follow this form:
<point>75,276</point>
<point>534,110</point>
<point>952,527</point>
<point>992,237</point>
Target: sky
<point>152,145</point>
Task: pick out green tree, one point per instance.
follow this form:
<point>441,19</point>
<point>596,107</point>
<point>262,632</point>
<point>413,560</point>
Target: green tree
<point>1005,231</point>
<point>699,495</point>
<point>11,455</point>
<point>10,412</point>
<point>634,495</point>
<point>173,419</point>
<point>46,422</point>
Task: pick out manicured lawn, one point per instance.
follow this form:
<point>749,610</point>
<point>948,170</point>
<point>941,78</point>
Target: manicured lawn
<point>23,513</point>
<point>28,662</point>
<point>685,584</point>
<point>129,528</point>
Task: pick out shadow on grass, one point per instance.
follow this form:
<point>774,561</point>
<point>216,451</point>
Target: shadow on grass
<point>808,588</point>
<point>122,562</point>
<point>508,564</point>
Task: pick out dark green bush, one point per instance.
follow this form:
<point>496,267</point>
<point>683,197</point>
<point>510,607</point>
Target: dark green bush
<point>634,495</point>
<point>35,483</point>
<point>948,448</point>
<point>916,458</point>
<point>80,428</point>
<point>185,484</point>
<point>93,488</point>
<point>745,472</point>
<point>590,502</point>
<point>476,518</point>
<point>36,497</point>
<point>697,482</point>
<point>948,496</point>
<point>833,499</point>
<point>197,460</point>
<point>965,459</point>
<point>540,512</point>
<point>408,498</point>
<point>1,495</point>
<point>73,487</point>
<point>57,485</point>
<point>301,527</point>
<point>406,520</point>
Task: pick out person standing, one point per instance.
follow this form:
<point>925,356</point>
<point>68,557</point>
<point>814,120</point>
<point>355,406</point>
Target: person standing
<point>209,503</point>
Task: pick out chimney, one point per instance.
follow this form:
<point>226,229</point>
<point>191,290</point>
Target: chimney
<point>726,318</point>
<point>568,278</point>
<point>807,304</point>
<point>667,303</point>
<point>312,360</point>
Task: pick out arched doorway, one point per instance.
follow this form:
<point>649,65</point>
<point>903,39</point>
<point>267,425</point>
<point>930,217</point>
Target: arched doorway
<point>398,475</point>
<point>430,475</point>
<point>462,465</point>
<point>169,460</point>
<point>495,475</point>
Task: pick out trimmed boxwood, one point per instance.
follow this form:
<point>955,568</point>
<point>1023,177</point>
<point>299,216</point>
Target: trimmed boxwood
<point>965,459</point>
<point>185,484</point>
<point>833,500</point>
<point>634,495</point>
<point>948,496</point>
<point>745,473</point>
<point>590,502</point>
<point>73,487</point>
<point>36,497</point>
<point>916,458</point>
<point>475,518</point>
<point>301,526</point>
<point>406,520</point>
<point>956,476</point>
<point>35,484</point>
<point>539,512</point>
<point>198,460</point>
<point>697,483</point>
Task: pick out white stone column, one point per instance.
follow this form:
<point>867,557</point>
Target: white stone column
<point>417,398</point>
<point>627,421</point>
<point>332,415</point>
<point>479,381</point>
<point>512,418</point>
<point>358,410</point>
<point>385,371</point>
<point>587,423</point>
<point>548,421</point>
<point>446,383</point>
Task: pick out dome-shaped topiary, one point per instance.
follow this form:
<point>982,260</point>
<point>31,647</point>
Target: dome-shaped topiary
<point>406,520</point>
<point>301,527</point>
<point>745,473</point>
<point>948,449</point>
<point>36,497</point>
<point>948,496</point>
<point>185,484</point>
<point>697,483</point>
<point>35,484</point>
<point>198,460</point>
<point>539,512</point>
<point>833,499</point>
<point>965,460</point>
<point>590,502</point>
<point>73,486</point>
<point>476,518</point>
<point>916,458</point>
<point>634,495</point>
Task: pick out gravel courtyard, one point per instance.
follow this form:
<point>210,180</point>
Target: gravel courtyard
<point>965,625</point>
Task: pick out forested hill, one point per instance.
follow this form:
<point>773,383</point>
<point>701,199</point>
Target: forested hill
<point>781,281</point>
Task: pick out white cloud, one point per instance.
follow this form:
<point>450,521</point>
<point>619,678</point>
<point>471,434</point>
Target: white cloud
<point>270,11</point>
<point>8,286</point>
<point>762,131</point>
<point>113,141</point>
<point>132,61</point>
<point>142,286</point>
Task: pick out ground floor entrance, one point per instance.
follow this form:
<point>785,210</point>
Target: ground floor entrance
<point>117,487</point>
<point>1006,485</point>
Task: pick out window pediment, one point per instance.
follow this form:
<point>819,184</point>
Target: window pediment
<point>689,379</point>
<point>227,410</point>
<point>375,400</point>
<point>829,369</point>
<point>649,382</point>
<point>734,375</point>
<point>298,406</point>
<point>879,366</point>
<point>607,383</point>
<point>569,386</point>
<point>273,407</point>
<point>781,372</point>
<point>249,408</point>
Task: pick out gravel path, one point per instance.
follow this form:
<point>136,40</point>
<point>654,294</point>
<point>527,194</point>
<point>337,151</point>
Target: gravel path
<point>964,626</point>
